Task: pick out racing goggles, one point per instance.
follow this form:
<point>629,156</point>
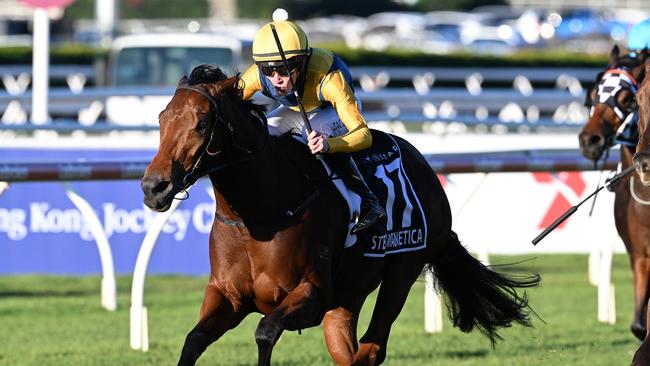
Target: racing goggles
<point>269,67</point>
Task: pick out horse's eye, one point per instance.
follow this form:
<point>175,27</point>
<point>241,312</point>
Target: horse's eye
<point>203,124</point>
<point>625,101</point>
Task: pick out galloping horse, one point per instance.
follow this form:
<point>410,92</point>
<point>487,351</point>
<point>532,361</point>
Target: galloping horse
<point>276,245</point>
<point>612,100</point>
<point>641,163</point>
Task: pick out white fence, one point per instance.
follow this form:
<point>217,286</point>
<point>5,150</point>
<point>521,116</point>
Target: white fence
<point>417,98</point>
<point>385,74</point>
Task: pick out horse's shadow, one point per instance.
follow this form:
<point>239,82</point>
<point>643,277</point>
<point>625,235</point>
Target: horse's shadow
<point>467,354</point>
<point>404,358</point>
<point>41,293</point>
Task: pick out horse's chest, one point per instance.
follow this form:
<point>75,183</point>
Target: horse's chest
<point>268,293</point>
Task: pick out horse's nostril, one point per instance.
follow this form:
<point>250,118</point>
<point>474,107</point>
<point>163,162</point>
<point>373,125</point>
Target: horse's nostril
<point>154,186</point>
<point>160,187</point>
<point>595,140</point>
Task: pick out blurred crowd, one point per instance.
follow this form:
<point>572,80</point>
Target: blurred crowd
<point>491,29</point>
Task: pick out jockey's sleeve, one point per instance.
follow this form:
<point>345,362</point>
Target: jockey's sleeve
<point>249,81</point>
<point>335,90</point>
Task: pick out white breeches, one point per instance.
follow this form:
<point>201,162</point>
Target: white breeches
<point>325,121</point>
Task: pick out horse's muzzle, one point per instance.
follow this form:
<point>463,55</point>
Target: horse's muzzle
<point>592,145</point>
<point>158,193</point>
<point>641,161</point>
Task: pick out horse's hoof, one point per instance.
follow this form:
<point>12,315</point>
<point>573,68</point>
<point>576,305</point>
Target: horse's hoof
<point>641,356</point>
<point>638,330</point>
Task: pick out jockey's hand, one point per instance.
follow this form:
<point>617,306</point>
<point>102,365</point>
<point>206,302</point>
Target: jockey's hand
<point>317,143</point>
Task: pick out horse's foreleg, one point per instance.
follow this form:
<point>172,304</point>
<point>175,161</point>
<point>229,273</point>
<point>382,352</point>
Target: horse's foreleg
<point>301,309</point>
<point>357,277</point>
<point>217,316</point>
<point>641,269</point>
<point>642,354</point>
<point>399,276</point>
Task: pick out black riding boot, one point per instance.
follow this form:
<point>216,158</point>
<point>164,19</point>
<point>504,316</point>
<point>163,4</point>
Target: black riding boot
<point>371,210</point>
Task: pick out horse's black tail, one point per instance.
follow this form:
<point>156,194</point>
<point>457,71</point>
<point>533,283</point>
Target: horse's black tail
<point>477,296</point>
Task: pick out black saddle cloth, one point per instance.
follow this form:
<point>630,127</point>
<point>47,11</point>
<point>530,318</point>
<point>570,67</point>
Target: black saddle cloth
<point>404,227</point>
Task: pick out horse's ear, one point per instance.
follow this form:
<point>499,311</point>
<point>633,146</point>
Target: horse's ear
<point>643,54</point>
<point>222,86</point>
<point>613,56</point>
<point>213,89</point>
<point>184,81</point>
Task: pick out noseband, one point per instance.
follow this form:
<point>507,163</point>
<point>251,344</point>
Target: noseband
<point>216,106</point>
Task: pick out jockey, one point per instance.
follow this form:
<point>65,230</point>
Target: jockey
<point>638,42</point>
<point>324,84</point>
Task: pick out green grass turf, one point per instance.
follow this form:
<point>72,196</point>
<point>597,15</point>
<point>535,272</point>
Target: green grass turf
<point>51,320</point>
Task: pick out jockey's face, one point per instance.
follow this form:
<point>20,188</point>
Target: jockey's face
<point>282,83</point>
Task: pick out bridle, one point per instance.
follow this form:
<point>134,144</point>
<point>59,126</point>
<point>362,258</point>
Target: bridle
<point>611,83</point>
<point>217,106</point>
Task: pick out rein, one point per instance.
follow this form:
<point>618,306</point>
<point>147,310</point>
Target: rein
<point>194,173</point>
<point>635,196</point>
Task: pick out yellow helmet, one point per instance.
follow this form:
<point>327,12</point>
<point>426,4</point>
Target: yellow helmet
<point>292,37</point>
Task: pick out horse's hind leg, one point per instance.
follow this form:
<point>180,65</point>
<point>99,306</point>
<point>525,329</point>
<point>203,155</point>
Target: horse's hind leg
<point>302,308</point>
<point>217,316</point>
<point>356,277</point>
<point>399,275</point>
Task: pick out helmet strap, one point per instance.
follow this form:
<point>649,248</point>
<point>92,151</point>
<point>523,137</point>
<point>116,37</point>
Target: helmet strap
<point>300,80</point>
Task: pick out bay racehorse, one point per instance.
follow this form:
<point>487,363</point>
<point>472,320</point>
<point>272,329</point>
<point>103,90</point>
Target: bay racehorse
<point>641,163</point>
<point>276,245</point>
<point>612,100</point>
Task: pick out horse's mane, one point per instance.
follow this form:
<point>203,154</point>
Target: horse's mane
<point>210,74</point>
<point>629,61</point>
<point>287,138</point>
<point>206,74</point>
<point>298,153</point>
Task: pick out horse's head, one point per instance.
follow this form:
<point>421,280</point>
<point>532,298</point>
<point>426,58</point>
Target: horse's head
<point>204,128</point>
<point>642,156</point>
<point>611,101</point>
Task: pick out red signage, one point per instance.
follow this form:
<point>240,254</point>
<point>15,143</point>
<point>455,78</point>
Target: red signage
<point>47,3</point>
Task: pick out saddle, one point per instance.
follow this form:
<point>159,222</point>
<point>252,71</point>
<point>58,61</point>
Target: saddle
<point>404,228</point>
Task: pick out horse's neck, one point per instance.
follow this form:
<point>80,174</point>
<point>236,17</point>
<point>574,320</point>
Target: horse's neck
<point>260,189</point>
<point>638,73</point>
<point>636,68</point>
<point>627,153</point>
